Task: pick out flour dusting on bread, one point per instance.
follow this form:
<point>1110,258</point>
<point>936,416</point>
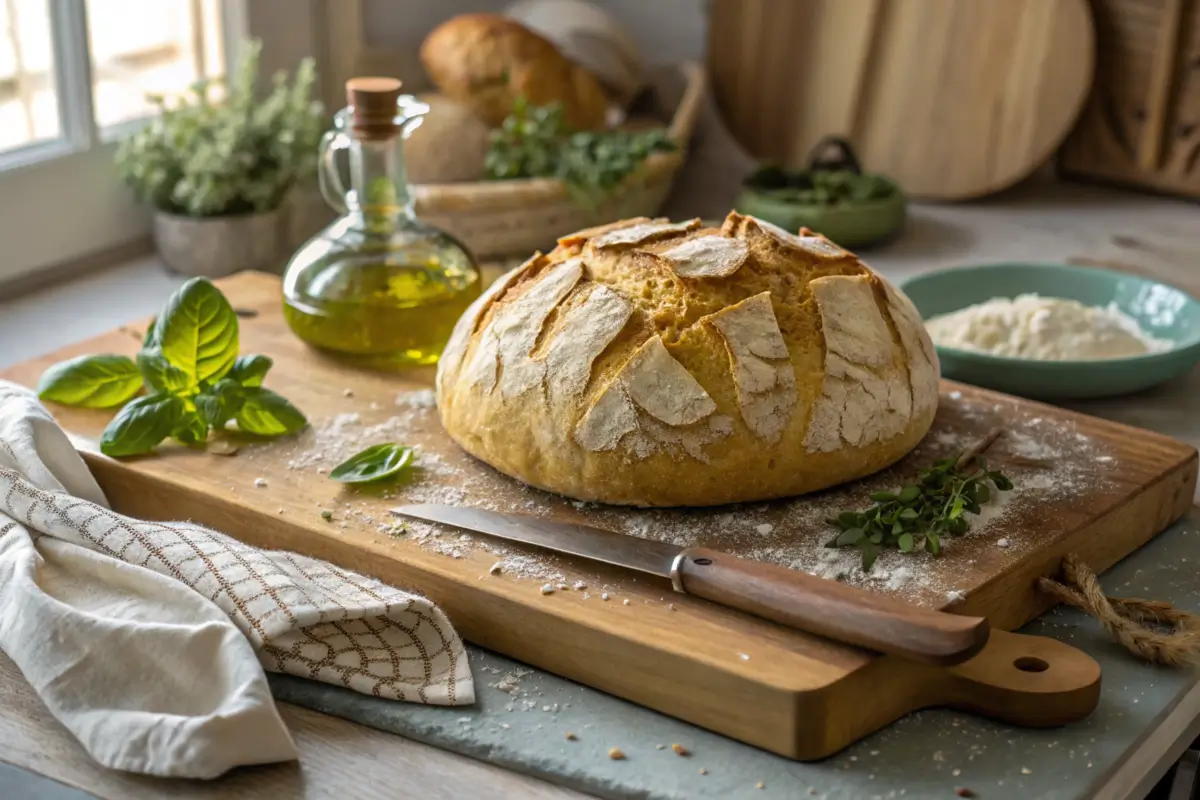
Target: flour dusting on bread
<point>645,232</point>
<point>606,422</point>
<point>761,366</point>
<point>663,387</point>
<point>707,257</point>
<point>864,396</point>
<point>586,331</point>
<point>518,324</point>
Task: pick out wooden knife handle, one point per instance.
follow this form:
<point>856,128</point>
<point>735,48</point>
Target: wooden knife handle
<point>830,609</point>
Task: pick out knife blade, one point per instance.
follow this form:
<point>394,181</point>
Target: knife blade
<point>789,597</point>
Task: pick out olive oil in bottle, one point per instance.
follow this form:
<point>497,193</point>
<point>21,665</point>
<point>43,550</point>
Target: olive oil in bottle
<point>377,286</point>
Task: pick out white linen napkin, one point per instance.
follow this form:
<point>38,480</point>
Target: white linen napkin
<point>153,676</point>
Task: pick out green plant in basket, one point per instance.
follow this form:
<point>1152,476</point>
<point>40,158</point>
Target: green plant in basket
<point>193,377</point>
<point>205,155</point>
<point>536,142</point>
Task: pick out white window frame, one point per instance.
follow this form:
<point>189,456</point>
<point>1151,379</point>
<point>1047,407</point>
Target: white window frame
<point>61,202</point>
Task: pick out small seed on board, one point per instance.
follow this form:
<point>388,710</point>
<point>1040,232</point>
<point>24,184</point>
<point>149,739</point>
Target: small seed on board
<point>680,750</point>
<point>616,754</point>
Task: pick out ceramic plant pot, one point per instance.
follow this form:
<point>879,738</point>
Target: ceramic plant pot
<point>213,247</point>
<point>832,197</point>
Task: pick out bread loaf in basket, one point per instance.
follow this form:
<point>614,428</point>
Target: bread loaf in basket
<point>651,363</point>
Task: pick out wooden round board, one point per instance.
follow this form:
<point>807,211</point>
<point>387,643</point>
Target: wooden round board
<point>953,100</point>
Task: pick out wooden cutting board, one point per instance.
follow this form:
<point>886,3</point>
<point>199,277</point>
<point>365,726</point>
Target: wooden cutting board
<point>1084,485</point>
<point>952,99</point>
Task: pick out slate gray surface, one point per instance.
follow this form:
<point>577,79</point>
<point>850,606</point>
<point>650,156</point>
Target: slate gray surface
<point>927,754</point>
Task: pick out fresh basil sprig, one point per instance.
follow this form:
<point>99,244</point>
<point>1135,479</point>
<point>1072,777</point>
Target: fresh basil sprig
<point>916,517</point>
<point>195,380</point>
<point>373,464</point>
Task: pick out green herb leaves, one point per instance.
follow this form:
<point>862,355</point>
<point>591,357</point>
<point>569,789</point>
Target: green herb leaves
<point>198,332</point>
<point>536,142</point>
<point>267,414</point>
<point>373,464</point>
<point>189,363</point>
<point>916,517</point>
<point>142,424</point>
<point>91,381</point>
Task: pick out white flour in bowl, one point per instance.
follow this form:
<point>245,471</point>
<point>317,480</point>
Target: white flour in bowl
<point>1044,329</point>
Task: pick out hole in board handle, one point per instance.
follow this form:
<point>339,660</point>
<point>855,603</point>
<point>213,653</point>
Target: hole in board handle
<point>1031,664</point>
<point>703,562</point>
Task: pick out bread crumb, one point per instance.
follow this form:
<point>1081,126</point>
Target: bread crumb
<point>616,754</point>
<point>604,596</point>
<point>495,568</point>
<point>571,737</point>
<point>579,586</point>
<point>760,785</point>
<point>744,656</point>
<point>765,529</point>
<point>703,771</point>
<point>660,747</point>
<point>955,596</point>
<point>680,750</point>
<point>281,509</point>
<point>1026,771</point>
<point>260,483</point>
<point>1002,543</point>
<point>625,601</point>
<point>347,393</point>
<point>548,588</point>
<point>671,606</point>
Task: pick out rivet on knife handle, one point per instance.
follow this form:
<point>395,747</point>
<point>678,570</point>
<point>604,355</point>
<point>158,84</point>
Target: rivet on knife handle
<point>828,608</point>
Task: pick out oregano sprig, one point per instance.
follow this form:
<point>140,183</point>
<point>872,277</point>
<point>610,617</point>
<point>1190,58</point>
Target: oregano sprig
<point>916,517</point>
<point>191,373</point>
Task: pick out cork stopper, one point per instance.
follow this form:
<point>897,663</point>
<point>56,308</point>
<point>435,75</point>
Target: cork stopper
<point>373,101</point>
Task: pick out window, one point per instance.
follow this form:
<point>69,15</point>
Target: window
<point>74,75</point>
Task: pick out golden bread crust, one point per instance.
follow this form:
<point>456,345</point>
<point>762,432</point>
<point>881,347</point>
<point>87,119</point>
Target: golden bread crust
<point>651,363</point>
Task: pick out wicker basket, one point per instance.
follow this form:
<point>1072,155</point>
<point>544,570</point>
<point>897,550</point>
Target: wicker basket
<point>502,219</point>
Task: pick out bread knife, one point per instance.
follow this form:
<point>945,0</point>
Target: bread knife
<point>815,605</point>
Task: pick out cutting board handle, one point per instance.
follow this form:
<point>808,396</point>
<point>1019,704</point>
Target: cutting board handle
<point>1033,681</point>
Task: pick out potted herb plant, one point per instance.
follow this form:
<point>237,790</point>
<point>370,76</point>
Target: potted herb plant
<point>833,196</point>
<point>221,171</point>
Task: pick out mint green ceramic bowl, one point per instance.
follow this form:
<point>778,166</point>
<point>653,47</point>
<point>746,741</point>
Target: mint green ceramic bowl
<point>1162,311</point>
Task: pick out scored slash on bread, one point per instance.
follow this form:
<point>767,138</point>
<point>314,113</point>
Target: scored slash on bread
<point>657,363</point>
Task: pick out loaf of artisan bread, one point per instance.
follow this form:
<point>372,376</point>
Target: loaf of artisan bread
<point>652,363</point>
<point>488,61</point>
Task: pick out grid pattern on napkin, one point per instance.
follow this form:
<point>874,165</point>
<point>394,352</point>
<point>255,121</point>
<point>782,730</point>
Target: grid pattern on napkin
<point>303,616</point>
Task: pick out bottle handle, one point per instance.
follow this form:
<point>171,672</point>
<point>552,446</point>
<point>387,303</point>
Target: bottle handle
<point>329,178</point>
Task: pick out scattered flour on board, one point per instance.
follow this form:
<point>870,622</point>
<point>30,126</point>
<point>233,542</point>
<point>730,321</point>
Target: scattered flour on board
<point>1051,464</point>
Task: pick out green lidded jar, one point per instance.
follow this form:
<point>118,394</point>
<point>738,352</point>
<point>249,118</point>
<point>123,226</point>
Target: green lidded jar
<point>376,286</point>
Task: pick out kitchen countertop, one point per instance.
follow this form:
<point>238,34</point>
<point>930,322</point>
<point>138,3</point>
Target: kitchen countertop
<point>1045,222</point>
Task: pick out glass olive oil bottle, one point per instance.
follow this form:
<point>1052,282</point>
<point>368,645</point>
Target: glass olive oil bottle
<point>377,286</point>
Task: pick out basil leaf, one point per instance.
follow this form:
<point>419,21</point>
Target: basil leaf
<point>149,340</point>
<point>268,414</point>
<point>191,429</point>
<point>221,403</point>
<point>161,375</point>
<point>198,331</point>
<point>91,381</point>
<point>250,370</point>
<point>142,424</point>
<point>372,464</point>
<point>909,493</point>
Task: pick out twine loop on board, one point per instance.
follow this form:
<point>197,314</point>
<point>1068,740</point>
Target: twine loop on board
<point>1152,630</point>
